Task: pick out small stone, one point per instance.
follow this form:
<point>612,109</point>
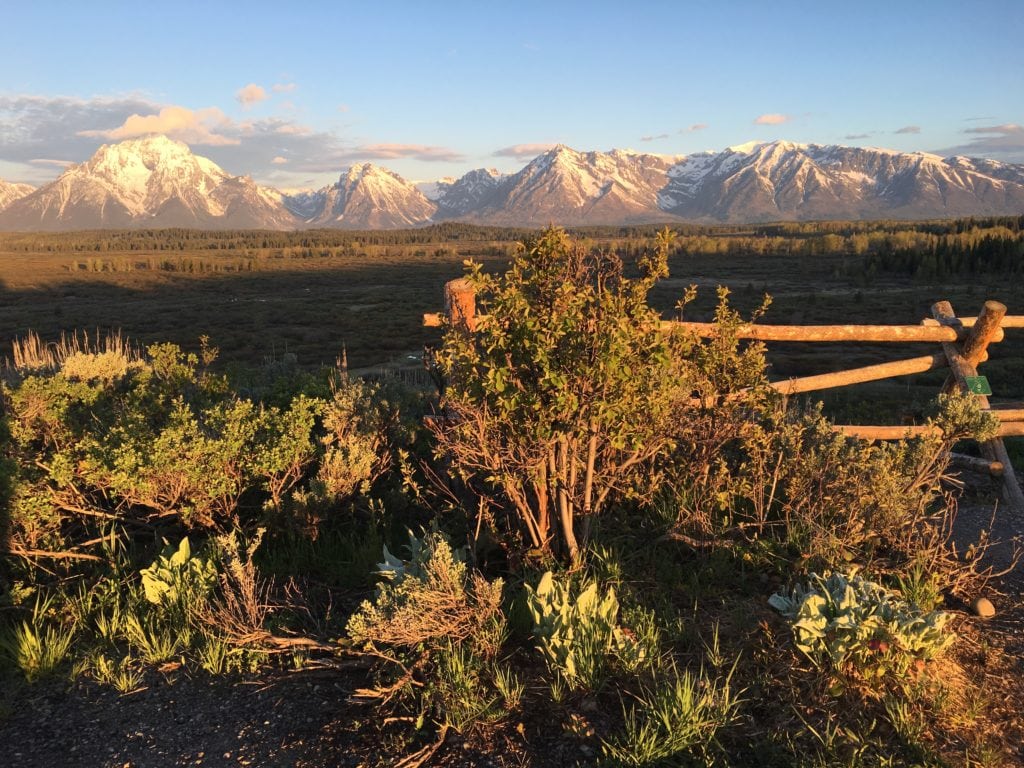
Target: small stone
<point>983,607</point>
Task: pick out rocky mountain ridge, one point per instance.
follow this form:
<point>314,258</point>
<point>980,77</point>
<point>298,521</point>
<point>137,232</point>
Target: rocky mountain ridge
<point>158,182</point>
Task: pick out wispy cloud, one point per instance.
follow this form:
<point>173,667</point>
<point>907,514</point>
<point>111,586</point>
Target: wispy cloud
<point>521,151</point>
<point>909,129</point>
<point>772,118</point>
<point>250,95</point>
<point>658,137</point>
<point>855,136</point>
<point>283,87</point>
<point>1005,142</point>
<point>191,126</point>
<point>51,162</point>
<point>278,160</point>
<point>388,151</point>
<point>68,130</point>
<point>694,127</point>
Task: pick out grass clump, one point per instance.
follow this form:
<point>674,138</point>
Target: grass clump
<point>676,719</point>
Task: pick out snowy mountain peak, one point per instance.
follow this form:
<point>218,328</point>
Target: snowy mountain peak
<point>153,182</point>
<point>158,182</point>
<point>366,196</point>
<point>11,191</point>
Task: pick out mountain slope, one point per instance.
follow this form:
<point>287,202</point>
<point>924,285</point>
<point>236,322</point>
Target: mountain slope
<point>563,186</point>
<point>156,182</point>
<point>365,197</point>
<point>781,180</point>
<point>11,191</point>
<point>149,182</point>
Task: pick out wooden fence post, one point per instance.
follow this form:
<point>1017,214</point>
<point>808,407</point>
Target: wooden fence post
<point>460,303</point>
<point>962,367</point>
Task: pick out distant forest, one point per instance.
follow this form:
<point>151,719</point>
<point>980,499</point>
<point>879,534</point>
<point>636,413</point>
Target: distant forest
<point>925,249</point>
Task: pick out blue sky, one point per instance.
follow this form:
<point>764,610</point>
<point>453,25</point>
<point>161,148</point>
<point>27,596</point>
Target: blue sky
<point>293,94</point>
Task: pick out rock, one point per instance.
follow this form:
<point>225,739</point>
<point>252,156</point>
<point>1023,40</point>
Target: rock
<point>983,607</point>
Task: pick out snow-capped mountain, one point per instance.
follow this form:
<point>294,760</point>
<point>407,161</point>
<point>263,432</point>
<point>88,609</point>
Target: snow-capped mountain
<point>563,186</point>
<point>148,182</point>
<point>785,181</point>
<point>11,191</point>
<point>472,192</point>
<point>365,197</point>
<point>156,182</point>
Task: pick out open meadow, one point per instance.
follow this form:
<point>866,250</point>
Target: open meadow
<point>600,545</point>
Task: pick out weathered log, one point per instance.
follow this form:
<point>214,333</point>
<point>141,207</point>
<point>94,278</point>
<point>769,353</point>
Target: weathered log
<point>830,333</point>
<point>1007,414</point>
<point>1008,321</point>
<point>460,303</point>
<point>977,464</point>
<point>994,450</point>
<point>860,375</point>
<point>872,432</point>
<point>983,331</point>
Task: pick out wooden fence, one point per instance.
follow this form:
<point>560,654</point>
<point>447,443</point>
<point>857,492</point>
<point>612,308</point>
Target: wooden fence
<point>964,346</point>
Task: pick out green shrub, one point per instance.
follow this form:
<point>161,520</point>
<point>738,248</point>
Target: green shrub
<point>577,633</point>
<point>166,440</point>
<point>860,629</point>
<point>562,399</point>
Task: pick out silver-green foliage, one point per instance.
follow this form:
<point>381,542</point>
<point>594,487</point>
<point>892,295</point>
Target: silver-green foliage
<point>576,634</point>
<point>858,625</point>
<point>432,597</point>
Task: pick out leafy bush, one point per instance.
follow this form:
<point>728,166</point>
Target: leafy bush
<point>860,628</point>
<point>164,440</point>
<point>576,633</point>
<point>561,400</point>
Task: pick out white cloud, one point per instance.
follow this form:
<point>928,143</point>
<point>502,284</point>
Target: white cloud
<point>251,94</point>
<point>389,151</point>
<point>695,127</point>
<point>772,118</point>
<point>283,87</point>
<point>658,137</point>
<point>50,162</point>
<point>278,160</point>
<point>521,151</point>
<point>1005,142</point>
<point>909,129</point>
<point>182,123</point>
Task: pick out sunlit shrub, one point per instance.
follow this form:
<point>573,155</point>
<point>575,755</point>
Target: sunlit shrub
<point>429,598</point>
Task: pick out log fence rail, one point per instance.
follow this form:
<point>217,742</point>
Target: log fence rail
<point>964,342</point>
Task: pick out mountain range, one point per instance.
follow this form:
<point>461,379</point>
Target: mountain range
<point>158,182</point>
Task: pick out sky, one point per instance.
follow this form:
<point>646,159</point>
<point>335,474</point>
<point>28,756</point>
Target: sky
<point>292,94</point>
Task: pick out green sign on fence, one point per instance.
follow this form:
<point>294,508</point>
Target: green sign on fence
<point>978,385</point>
